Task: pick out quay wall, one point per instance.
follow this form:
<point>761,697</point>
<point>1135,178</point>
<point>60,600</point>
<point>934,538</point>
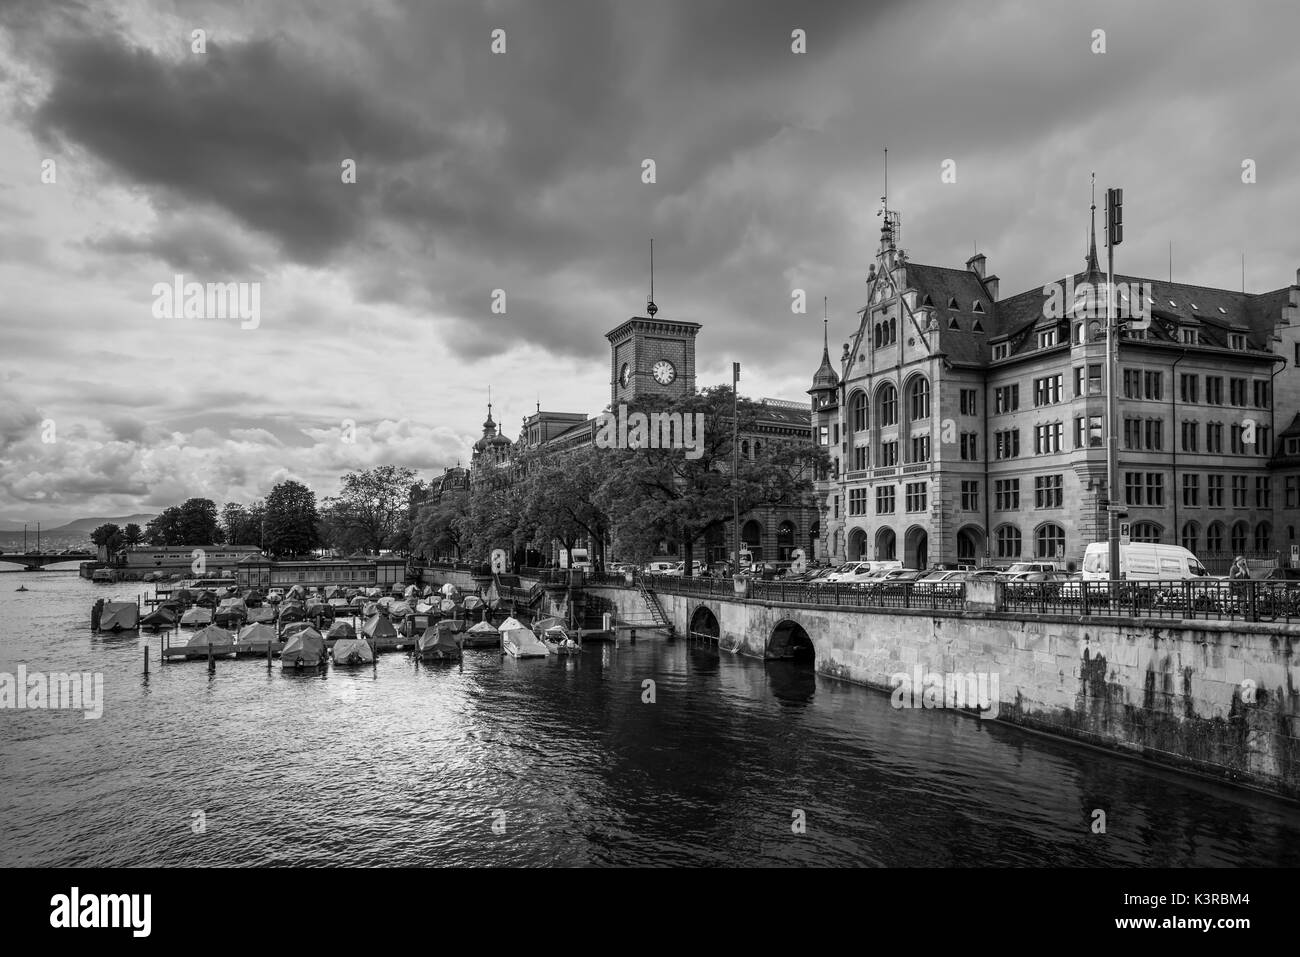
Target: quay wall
<point>1220,698</point>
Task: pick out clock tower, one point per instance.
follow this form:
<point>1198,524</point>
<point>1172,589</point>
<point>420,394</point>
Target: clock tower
<point>650,356</point>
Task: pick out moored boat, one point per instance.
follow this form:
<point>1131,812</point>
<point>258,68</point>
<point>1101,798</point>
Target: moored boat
<point>438,644</point>
<point>305,651</point>
<point>353,651</point>
<point>482,635</point>
<point>519,642</point>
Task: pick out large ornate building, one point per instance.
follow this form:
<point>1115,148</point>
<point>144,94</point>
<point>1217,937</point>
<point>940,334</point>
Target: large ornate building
<point>968,427</point>
<point>656,356</point>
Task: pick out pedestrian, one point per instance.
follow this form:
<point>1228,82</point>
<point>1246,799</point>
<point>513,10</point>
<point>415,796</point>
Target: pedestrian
<point>1239,573</point>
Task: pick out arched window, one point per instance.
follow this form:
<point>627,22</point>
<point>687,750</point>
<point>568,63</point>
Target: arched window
<point>1189,538</point>
<point>1008,541</point>
<point>875,336</point>
<point>1214,537</point>
<point>1146,532</point>
<point>887,406</point>
<point>1049,541</point>
<point>918,400</point>
<point>744,448</point>
<point>858,410</point>
<point>758,448</point>
<point>1239,534</point>
<point>1263,537</point>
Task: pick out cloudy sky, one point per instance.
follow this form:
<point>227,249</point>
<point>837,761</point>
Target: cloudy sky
<point>522,171</point>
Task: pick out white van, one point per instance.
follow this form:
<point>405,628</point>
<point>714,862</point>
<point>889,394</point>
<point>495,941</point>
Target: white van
<point>1142,561</point>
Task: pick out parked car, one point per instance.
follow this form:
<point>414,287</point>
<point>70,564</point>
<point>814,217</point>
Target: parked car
<point>659,568</point>
<point>858,571</point>
<point>944,582</point>
<point>1021,568</point>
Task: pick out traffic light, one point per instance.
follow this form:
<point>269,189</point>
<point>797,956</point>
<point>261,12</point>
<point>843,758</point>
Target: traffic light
<point>1115,216</point>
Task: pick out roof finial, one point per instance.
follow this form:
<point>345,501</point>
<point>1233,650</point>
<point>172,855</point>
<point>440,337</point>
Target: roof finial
<point>650,306</point>
<point>1092,263</point>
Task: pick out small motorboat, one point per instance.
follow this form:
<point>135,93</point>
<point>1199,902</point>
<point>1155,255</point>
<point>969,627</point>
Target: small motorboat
<point>518,642</point>
<point>438,644</point>
<point>353,651</point>
<point>164,616</point>
<point>560,642</point>
<point>482,635</point>
<point>305,651</point>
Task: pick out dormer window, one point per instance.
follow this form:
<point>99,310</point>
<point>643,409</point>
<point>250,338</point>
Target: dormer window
<point>1237,341</point>
<point>978,307</point>
<point>1046,338</point>
<point>1001,350</point>
<point>952,323</point>
<point>927,301</point>
<point>977,327</point>
<point>952,303</point>
<point>1189,336</point>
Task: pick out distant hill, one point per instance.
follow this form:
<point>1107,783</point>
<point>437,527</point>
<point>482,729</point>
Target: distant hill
<point>90,524</point>
<point>81,525</point>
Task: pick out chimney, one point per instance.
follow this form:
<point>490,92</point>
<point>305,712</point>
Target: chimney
<point>976,264</point>
<point>991,284</point>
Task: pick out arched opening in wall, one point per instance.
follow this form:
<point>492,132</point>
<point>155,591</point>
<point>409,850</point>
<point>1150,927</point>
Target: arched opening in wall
<point>970,544</point>
<point>789,641</point>
<point>704,625</point>
<point>916,548</point>
<point>784,541</point>
<point>857,545</point>
<point>751,534</point>
<point>886,545</point>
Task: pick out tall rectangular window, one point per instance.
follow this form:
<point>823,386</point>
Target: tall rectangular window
<point>1190,430</point>
<point>1214,437</point>
<point>1047,491</point>
<point>1191,490</point>
<point>1047,390</point>
<point>1006,494</point>
<point>1263,492</point>
<point>888,453</point>
<point>1213,390</point>
<point>915,493</point>
<point>970,446</point>
<point>885,500</point>
<point>1236,391</point>
<point>1006,445</point>
<point>970,496</point>
<point>920,448</point>
<point>1214,491</point>
<point>1239,491</point>
<point>1187,391</point>
<point>968,404</point>
<point>857,501</point>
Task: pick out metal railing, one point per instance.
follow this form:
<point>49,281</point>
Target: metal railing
<point>1188,600</point>
<point>1193,599</point>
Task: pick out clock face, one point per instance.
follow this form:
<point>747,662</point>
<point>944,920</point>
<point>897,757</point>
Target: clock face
<point>663,372</point>
<point>625,374</point>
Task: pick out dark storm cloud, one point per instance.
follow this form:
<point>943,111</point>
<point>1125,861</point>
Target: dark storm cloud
<point>256,128</point>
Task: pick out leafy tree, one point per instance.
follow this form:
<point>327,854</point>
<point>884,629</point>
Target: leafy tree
<point>105,533</point>
<point>495,517</point>
<point>234,518</point>
<point>133,534</point>
<point>199,524</point>
<point>652,494</point>
<point>561,498</point>
<point>165,528</point>
<point>371,508</point>
<point>436,527</point>
<point>292,519</point>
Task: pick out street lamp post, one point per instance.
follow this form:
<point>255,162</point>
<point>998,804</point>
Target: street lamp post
<point>735,464</point>
<point>1114,236</point>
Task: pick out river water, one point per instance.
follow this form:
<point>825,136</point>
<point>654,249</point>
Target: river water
<point>557,761</point>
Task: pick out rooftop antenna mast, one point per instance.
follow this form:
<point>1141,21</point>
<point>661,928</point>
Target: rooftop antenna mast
<point>650,306</point>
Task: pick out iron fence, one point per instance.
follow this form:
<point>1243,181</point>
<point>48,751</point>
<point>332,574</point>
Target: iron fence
<point>1186,600</point>
<point>1183,600</point>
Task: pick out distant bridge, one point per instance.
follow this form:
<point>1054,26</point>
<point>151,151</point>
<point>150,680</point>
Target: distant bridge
<point>34,563</point>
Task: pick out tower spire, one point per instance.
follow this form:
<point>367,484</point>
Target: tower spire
<point>1092,264</point>
<point>650,306</point>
